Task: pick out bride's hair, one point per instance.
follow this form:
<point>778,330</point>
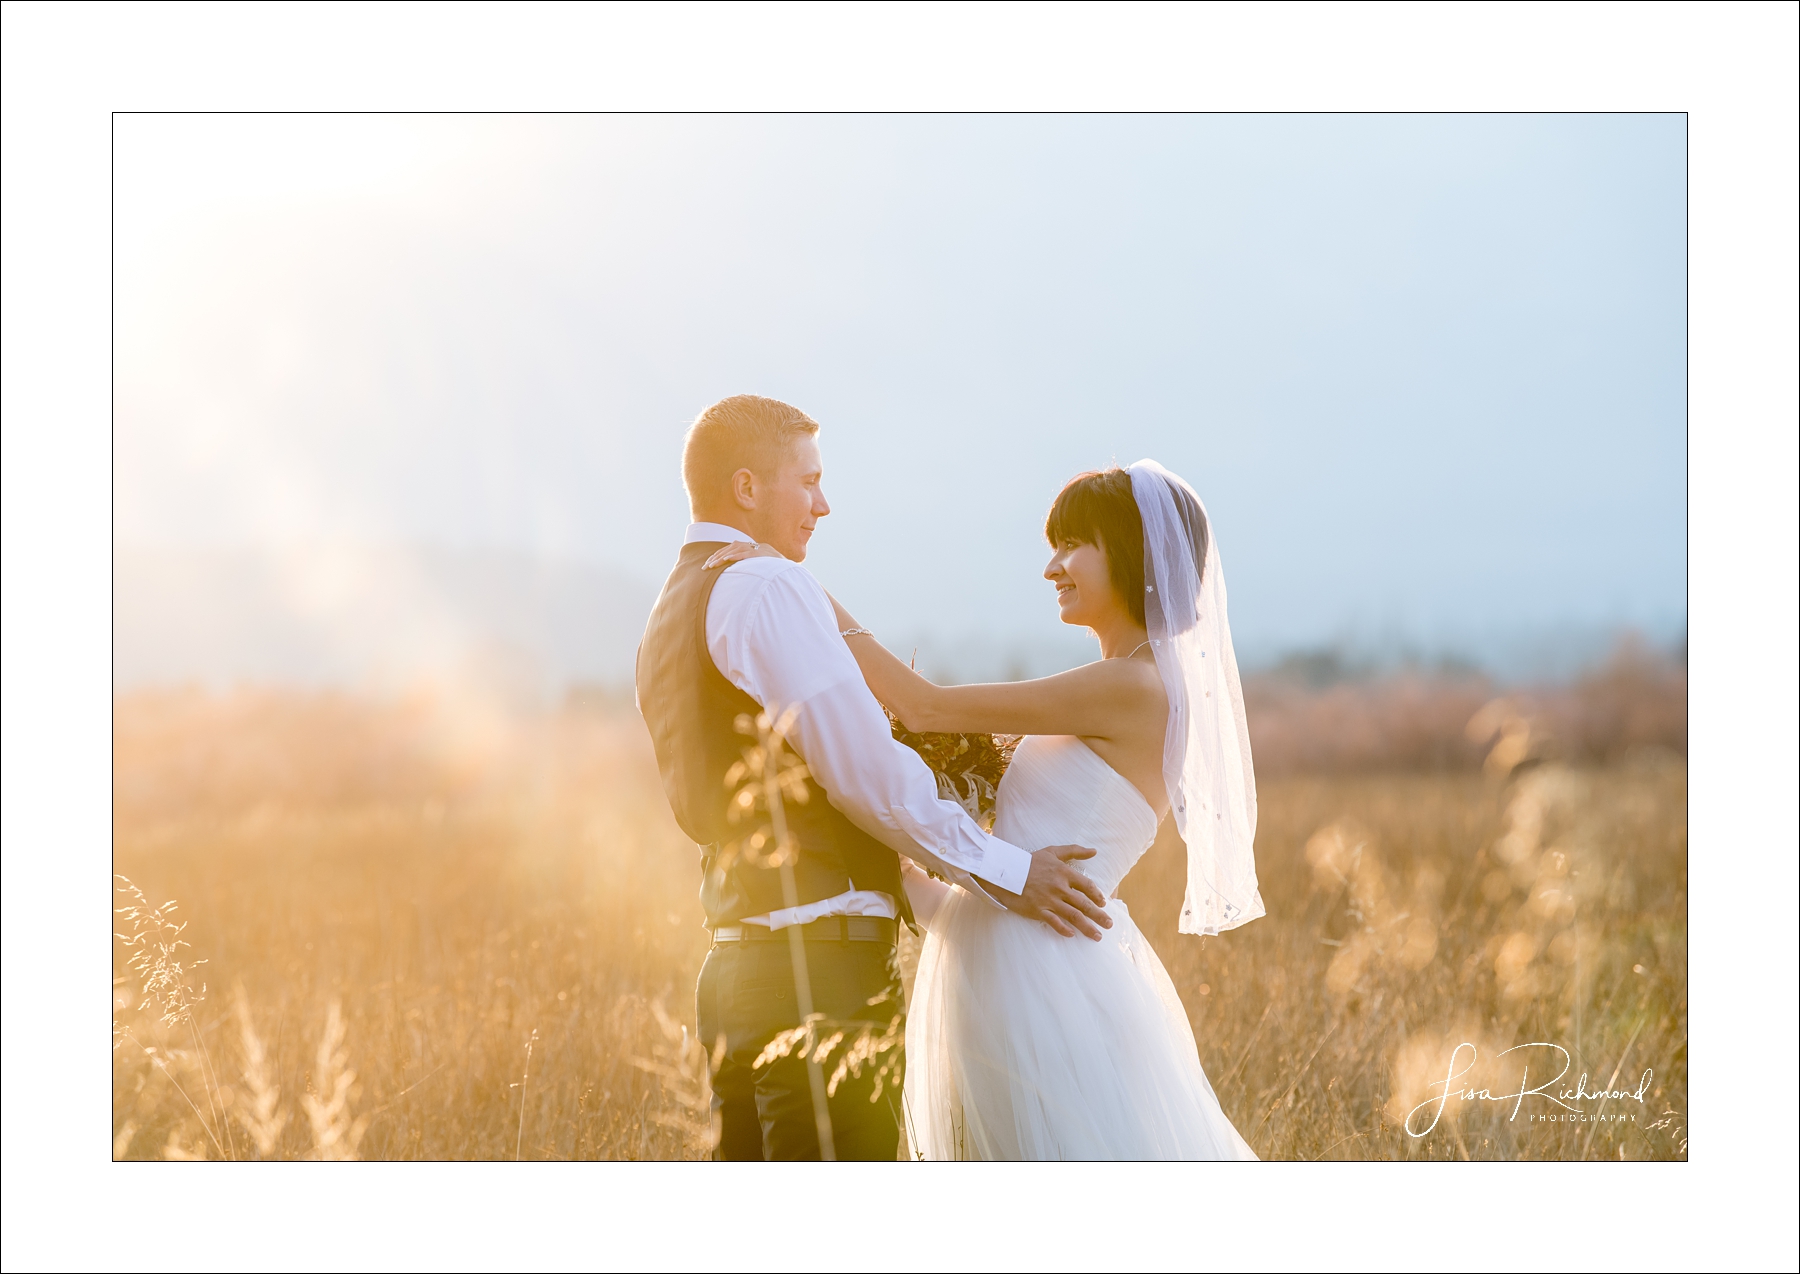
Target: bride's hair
<point>745,431</point>
<point>1099,508</point>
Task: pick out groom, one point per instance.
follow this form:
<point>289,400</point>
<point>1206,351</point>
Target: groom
<point>761,635</point>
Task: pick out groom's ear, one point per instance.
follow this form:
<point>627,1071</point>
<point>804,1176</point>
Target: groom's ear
<point>743,489</point>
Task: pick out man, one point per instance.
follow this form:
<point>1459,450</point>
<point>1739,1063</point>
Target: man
<point>760,635</point>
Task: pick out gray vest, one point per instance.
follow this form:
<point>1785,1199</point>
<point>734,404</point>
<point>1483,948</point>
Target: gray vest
<point>692,712</point>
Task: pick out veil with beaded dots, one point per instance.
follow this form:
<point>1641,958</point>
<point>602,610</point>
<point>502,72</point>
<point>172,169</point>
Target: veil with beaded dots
<point>1206,750</point>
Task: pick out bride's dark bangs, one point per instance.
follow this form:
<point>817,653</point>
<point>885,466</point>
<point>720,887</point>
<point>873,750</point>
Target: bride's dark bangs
<point>1099,508</point>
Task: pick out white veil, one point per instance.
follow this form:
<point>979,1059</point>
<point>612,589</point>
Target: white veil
<point>1206,751</point>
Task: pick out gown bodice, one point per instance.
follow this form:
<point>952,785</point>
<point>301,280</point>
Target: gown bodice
<point>1058,791</point>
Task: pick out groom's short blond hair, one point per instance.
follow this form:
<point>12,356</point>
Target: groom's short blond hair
<point>745,431</point>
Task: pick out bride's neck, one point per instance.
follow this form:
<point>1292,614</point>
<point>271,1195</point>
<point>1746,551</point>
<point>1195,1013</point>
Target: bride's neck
<point>1120,637</point>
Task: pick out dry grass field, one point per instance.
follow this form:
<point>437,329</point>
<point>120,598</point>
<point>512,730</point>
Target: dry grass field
<point>420,930</point>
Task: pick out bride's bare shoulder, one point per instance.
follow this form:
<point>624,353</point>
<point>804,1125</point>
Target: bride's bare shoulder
<point>1130,676</point>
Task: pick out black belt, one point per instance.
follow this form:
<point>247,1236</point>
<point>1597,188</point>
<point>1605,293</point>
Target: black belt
<point>830,929</point>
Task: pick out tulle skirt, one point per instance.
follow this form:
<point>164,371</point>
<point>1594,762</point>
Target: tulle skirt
<point>1025,1045</point>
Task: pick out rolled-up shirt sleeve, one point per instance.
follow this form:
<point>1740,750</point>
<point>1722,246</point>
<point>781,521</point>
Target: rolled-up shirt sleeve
<point>783,648</point>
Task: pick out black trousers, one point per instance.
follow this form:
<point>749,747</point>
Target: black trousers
<point>746,997</point>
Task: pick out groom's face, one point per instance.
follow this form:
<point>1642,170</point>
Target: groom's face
<point>785,506</point>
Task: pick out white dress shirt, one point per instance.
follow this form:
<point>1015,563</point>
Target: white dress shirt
<point>771,631</point>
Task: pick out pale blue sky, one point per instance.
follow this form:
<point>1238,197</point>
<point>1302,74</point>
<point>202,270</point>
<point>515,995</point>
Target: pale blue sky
<point>1427,372</point>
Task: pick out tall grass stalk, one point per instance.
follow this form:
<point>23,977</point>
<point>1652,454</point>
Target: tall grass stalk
<point>524,1095</point>
<point>337,1131</point>
<point>767,769</point>
<point>262,1117</point>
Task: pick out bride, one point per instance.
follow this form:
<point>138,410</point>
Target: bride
<point>1021,1042</point>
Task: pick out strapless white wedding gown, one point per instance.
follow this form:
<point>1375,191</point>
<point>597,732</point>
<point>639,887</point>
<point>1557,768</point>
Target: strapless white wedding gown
<point>1023,1044</point>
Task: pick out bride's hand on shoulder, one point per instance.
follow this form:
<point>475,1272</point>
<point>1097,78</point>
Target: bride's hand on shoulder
<point>737,551</point>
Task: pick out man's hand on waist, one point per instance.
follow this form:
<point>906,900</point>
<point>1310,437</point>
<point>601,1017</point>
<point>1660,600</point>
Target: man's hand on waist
<point>1059,894</point>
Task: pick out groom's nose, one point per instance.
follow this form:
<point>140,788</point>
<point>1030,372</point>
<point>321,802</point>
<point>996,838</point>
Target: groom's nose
<point>820,506</point>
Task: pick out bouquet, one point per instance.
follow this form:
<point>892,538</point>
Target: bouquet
<point>967,766</point>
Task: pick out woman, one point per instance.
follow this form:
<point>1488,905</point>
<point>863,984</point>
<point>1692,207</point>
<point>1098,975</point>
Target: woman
<point>1025,1043</point>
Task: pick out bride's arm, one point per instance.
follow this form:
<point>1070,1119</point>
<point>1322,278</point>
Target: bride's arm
<point>1106,699</point>
<point>1102,699</point>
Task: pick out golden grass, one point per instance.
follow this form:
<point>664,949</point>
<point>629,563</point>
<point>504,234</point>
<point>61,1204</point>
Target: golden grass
<point>1398,929</point>
<point>452,935</point>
